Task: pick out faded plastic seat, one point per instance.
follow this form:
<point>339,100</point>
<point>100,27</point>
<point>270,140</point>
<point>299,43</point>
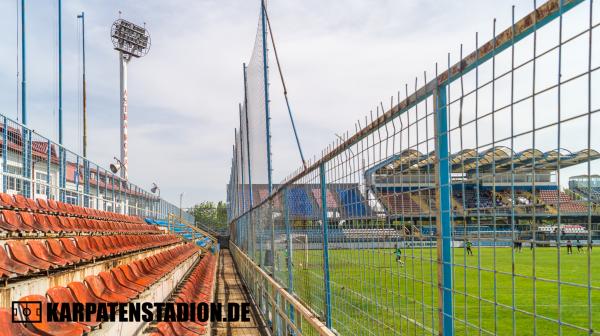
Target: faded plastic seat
<point>6,201</point>
<point>124,281</point>
<point>50,328</point>
<point>58,250</point>
<point>62,294</point>
<point>132,276</point>
<point>43,220</point>
<point>70,247</point>
<point>99,289</point>
<point>52,205</point>
<point>82,294</point>
<point>11,222</point>
<point>66,224</point>
<point>31,204</point>
<point>13,267</point>
<point>111,283</point>
<point>62,207</point>
<point>54,222</point>
<point>74,224</point>
<point>21,202</point>
<point>21,253</point>
<point>39,250</point>
<point>43,205</point>
<point>83,243</point>
<point>102,244</point>
<point>28,219</point>
<point>9,328</point>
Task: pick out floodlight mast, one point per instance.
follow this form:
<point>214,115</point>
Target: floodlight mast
<point>129,40</point>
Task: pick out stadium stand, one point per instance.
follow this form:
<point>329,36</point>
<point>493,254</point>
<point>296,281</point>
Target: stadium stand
<point>45,238</point>
<point>197,288</point>
<point>399,204</point>
<point>586,187</point>
<point>560,199</point>
<point>352,202</point>
<point>299,203</point>
<point>121,285</point>
<point>332,202</point>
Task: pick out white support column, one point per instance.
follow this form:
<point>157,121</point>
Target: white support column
<point>123,60</point>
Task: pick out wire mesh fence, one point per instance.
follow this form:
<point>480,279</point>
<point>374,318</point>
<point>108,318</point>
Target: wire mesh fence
<point>470,206</point>
<point>37,168</point>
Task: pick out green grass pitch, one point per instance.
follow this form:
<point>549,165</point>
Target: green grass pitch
<point>372,294</point>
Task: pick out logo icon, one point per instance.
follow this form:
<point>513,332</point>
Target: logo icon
<point>26,311</point>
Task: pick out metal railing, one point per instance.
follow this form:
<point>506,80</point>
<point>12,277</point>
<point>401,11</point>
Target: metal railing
<point>36,167</point>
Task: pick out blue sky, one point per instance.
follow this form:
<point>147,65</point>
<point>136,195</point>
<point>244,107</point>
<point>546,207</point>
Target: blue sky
<point>340,58</point>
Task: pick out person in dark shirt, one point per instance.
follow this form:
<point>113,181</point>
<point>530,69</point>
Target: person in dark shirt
<point>579,246</point>
<point>469,244</point>
<point>398,253</point>
<point>569,247</point>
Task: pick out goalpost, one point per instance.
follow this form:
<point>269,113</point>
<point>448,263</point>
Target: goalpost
<point>300,240</point>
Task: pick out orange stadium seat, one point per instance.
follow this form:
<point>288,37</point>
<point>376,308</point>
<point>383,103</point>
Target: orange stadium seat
<point>111,283</point>
<point>99,289</point>
<point>9,328</point>
<point>39,250</point>
<point>21,253</point>
<point>61,294</point>
<point>58,250</point>
<point>50,328</point>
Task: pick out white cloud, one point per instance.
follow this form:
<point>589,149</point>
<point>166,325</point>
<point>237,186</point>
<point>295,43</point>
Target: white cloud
<point>340,59</point>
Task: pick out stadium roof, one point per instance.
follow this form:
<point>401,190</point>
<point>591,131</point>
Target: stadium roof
<point>496,159</point>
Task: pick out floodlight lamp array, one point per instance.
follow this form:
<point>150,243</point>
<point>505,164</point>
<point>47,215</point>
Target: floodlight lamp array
<point>129,38</point>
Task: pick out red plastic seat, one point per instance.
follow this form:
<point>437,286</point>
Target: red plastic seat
<point>7,201</point>
<point>124,281</point>
<point>43,205</point>
<point>82,294</point>
<point>44,221</point>
<point>54,222</point>
<point>132,276</point>
<point>9,328</point>
<point>39,249</point>
<point>111,283</point>
<point>66,224</point>
<point>58,250</point>
<point>13,267</point>
<point>62,207</point>
<point>60,294</point>
<point>21,253</point>
<point>31,204</point>
<point>28,219</point>
<point>84,244</point>
<point>11,222</point>
<point>74,224</point>
<point>52,205</point>
<point>50,328</point>
<point>99,289</point>
<point>20,202</point>
<point>70,208</point>
<point>70,247</point>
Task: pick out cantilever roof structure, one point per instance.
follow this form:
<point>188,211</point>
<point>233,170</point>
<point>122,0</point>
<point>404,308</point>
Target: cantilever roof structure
<point>496,159</point>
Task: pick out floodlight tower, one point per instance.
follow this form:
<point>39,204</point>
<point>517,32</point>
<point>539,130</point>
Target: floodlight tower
<point>129,40</point>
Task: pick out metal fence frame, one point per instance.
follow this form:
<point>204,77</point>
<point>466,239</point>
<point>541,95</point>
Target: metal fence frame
<point>253,229</point>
